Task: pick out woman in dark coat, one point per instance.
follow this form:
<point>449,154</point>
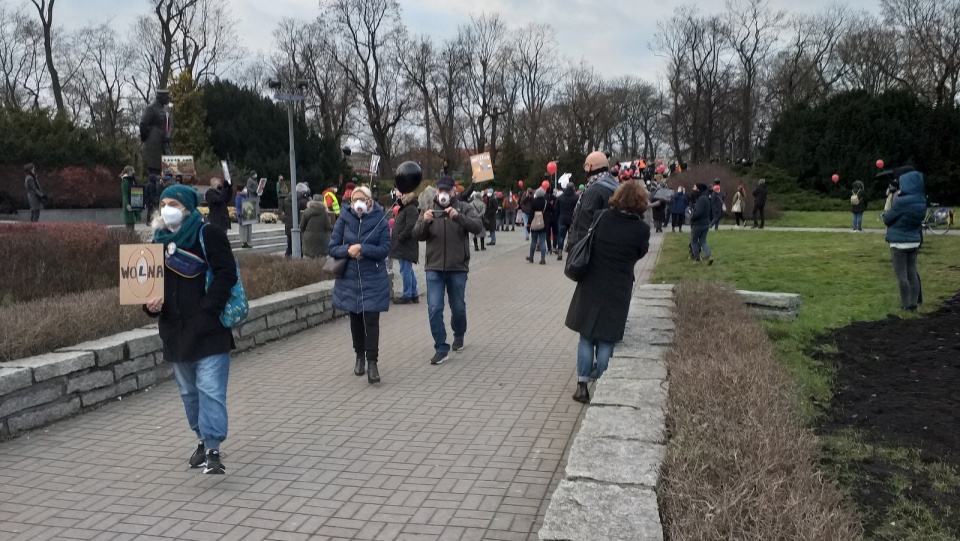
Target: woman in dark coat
<point>601,302</point>
<point>195,342</point>
<point>316,227</point>
<point>217,198</point>
<point>362,236</point>
<point>405,248</point>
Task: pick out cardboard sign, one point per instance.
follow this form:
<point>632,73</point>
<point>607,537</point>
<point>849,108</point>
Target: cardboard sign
<point>261,186</point>
<point>250,212</point>
<point>136,197</point>
<point>226,171</point>
<point>482,167</point>
<point>374,163</point>
<point>181,165</point>
<point>141,273</point>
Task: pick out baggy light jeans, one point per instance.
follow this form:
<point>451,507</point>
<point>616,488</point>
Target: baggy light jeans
<point>203,390</point>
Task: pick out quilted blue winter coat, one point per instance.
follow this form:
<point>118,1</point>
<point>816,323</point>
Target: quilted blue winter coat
<point>904,220</point>
<point>364,286</point>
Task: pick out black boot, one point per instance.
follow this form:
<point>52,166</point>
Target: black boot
<point>582,394</point>
<point>373,375</point>
<point>482,247</point>
<point>358,369</point>
<point>476,247</point>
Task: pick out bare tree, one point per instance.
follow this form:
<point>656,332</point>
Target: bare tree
<point>208,41</point>
<point>100,87</point>
<point>22,72</point>
<point>45,10</point>
<point>536,64</point>
<point>170,16</point>
<point>368,49</point>
<point>929,32</point>
<point>488,93</point>
<point>753,30</point>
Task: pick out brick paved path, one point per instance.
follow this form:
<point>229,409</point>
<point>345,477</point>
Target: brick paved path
<point>465,451</point>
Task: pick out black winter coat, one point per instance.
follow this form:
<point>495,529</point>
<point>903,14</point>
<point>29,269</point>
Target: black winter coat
<point>566,203</point>
<point>189,323</point>
<point>403,244</point>
<point>760,195</point>
<point>601,301</point>
<point>288,211</point>
<point>595,197</point>
<point>702,210</point>
<point>550,214</point>
<point>217,201</point>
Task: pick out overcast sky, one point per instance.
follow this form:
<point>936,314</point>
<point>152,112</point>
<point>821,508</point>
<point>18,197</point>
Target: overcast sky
<point>614,35</point>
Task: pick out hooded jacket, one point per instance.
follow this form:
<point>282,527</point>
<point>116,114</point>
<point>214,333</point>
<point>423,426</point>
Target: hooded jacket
<point>403,244</point>
<point>448,239</point>
<point>364,286</point>
<point>905,218</point>
<point>316,227</point>
<point>680,203</point>
<point>861,194</point>
<point>479,207</point>
<point>596,196</point>
<point>566,204</point>
<point>702,209</point>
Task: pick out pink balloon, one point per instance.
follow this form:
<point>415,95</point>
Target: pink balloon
<point>552,168</point>
<point>545,184</point>
<point>391,222</point>
<point>879,164</point>
<point>835,178</point>
<point>520,183</point>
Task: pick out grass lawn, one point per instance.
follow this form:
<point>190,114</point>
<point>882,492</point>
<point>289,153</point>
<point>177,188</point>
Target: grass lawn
<point>838,219</point>
<point>842,278</point>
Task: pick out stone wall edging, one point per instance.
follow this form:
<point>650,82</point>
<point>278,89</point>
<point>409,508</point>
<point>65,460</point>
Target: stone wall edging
<point>609,490</point>
<point>36,391</point>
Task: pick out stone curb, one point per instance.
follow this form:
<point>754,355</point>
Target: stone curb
<point>614,462</point>
<point>36,391</point>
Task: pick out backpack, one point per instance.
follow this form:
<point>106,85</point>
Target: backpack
<point>855,199</point>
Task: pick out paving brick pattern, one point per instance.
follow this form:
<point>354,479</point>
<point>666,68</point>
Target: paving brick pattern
<point>469,450</point>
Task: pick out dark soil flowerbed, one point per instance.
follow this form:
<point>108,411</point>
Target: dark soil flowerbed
<point>893,430</point>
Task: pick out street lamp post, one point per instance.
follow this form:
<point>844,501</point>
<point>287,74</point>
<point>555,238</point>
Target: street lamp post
<point>290,100</point>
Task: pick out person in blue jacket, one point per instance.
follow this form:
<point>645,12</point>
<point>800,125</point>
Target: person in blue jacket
<point>904,221</point>
<point>362,236</point>
<point>678,208</point>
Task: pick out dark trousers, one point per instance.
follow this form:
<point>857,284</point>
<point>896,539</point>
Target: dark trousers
<point>365,329</point>
<point>552,232</point>
<point>677,221</point>
<point>35,215</point>
<point>758,210</point>
<point>908,280</point>
<point>740,218</point>
<point>289,251</point>
<point>150,211</point>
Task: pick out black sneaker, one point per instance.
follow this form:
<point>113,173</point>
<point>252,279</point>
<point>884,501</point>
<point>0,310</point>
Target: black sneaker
<point>199,457</point>
<point>439,357</point>
<point>213,465</point>
<point>457,344</point>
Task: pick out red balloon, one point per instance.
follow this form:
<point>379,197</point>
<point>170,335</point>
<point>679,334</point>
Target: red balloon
<point>661,169</point>
<point>520,183</point>
<point>545,185</point>
<point>552,168</point>
<point>835,178</point>
<point>879,164</point>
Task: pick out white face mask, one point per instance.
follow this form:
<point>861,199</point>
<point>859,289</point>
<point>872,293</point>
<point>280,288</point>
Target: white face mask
<point>443,198</point>
<point>172,216</point>
<point>360,207</point>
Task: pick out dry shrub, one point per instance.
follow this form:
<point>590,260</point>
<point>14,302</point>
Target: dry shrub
<point>68,187</point>
<point>264,274</point>
<point>43,325</point>
<point>740,464</point>
<point>46,259</point>
<point>729,180</point>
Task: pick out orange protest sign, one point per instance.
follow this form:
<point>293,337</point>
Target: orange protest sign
<point>482,167</point>
<point>141,273</point>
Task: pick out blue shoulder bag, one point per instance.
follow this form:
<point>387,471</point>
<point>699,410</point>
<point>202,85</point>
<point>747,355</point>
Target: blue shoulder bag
<point>237,306</point>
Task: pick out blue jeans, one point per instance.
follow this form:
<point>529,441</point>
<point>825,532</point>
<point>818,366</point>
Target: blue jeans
<point>526,225</point>
<point>698,243</point>
<point>493,235</point>
<point>562,236</point>
<point>454,284</point>
<point>541,238</point>
<point>858,221</point>
<point>409,279</point>
<point>203,389</point>
<point>585,355</point>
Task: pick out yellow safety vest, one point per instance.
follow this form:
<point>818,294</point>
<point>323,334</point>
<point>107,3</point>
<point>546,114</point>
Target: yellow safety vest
<point>335,206</point>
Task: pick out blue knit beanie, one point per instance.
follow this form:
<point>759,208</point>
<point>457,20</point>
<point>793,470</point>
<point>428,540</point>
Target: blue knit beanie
<point>186,195</point>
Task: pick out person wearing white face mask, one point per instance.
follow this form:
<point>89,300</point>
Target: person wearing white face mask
<point>194,340</point>
<point>445,226</point>
<point>362,236</point>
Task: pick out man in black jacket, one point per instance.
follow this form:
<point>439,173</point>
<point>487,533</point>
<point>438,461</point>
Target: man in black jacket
<point>700,221</point>
<point>759,202</point>
<point>566,204</point>
<point>595,197</point>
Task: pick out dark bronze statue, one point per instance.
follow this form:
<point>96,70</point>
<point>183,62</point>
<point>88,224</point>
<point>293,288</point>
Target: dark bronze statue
<point>156,132</point>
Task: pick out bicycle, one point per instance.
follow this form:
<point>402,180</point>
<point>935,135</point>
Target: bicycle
<point>938,220</point>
